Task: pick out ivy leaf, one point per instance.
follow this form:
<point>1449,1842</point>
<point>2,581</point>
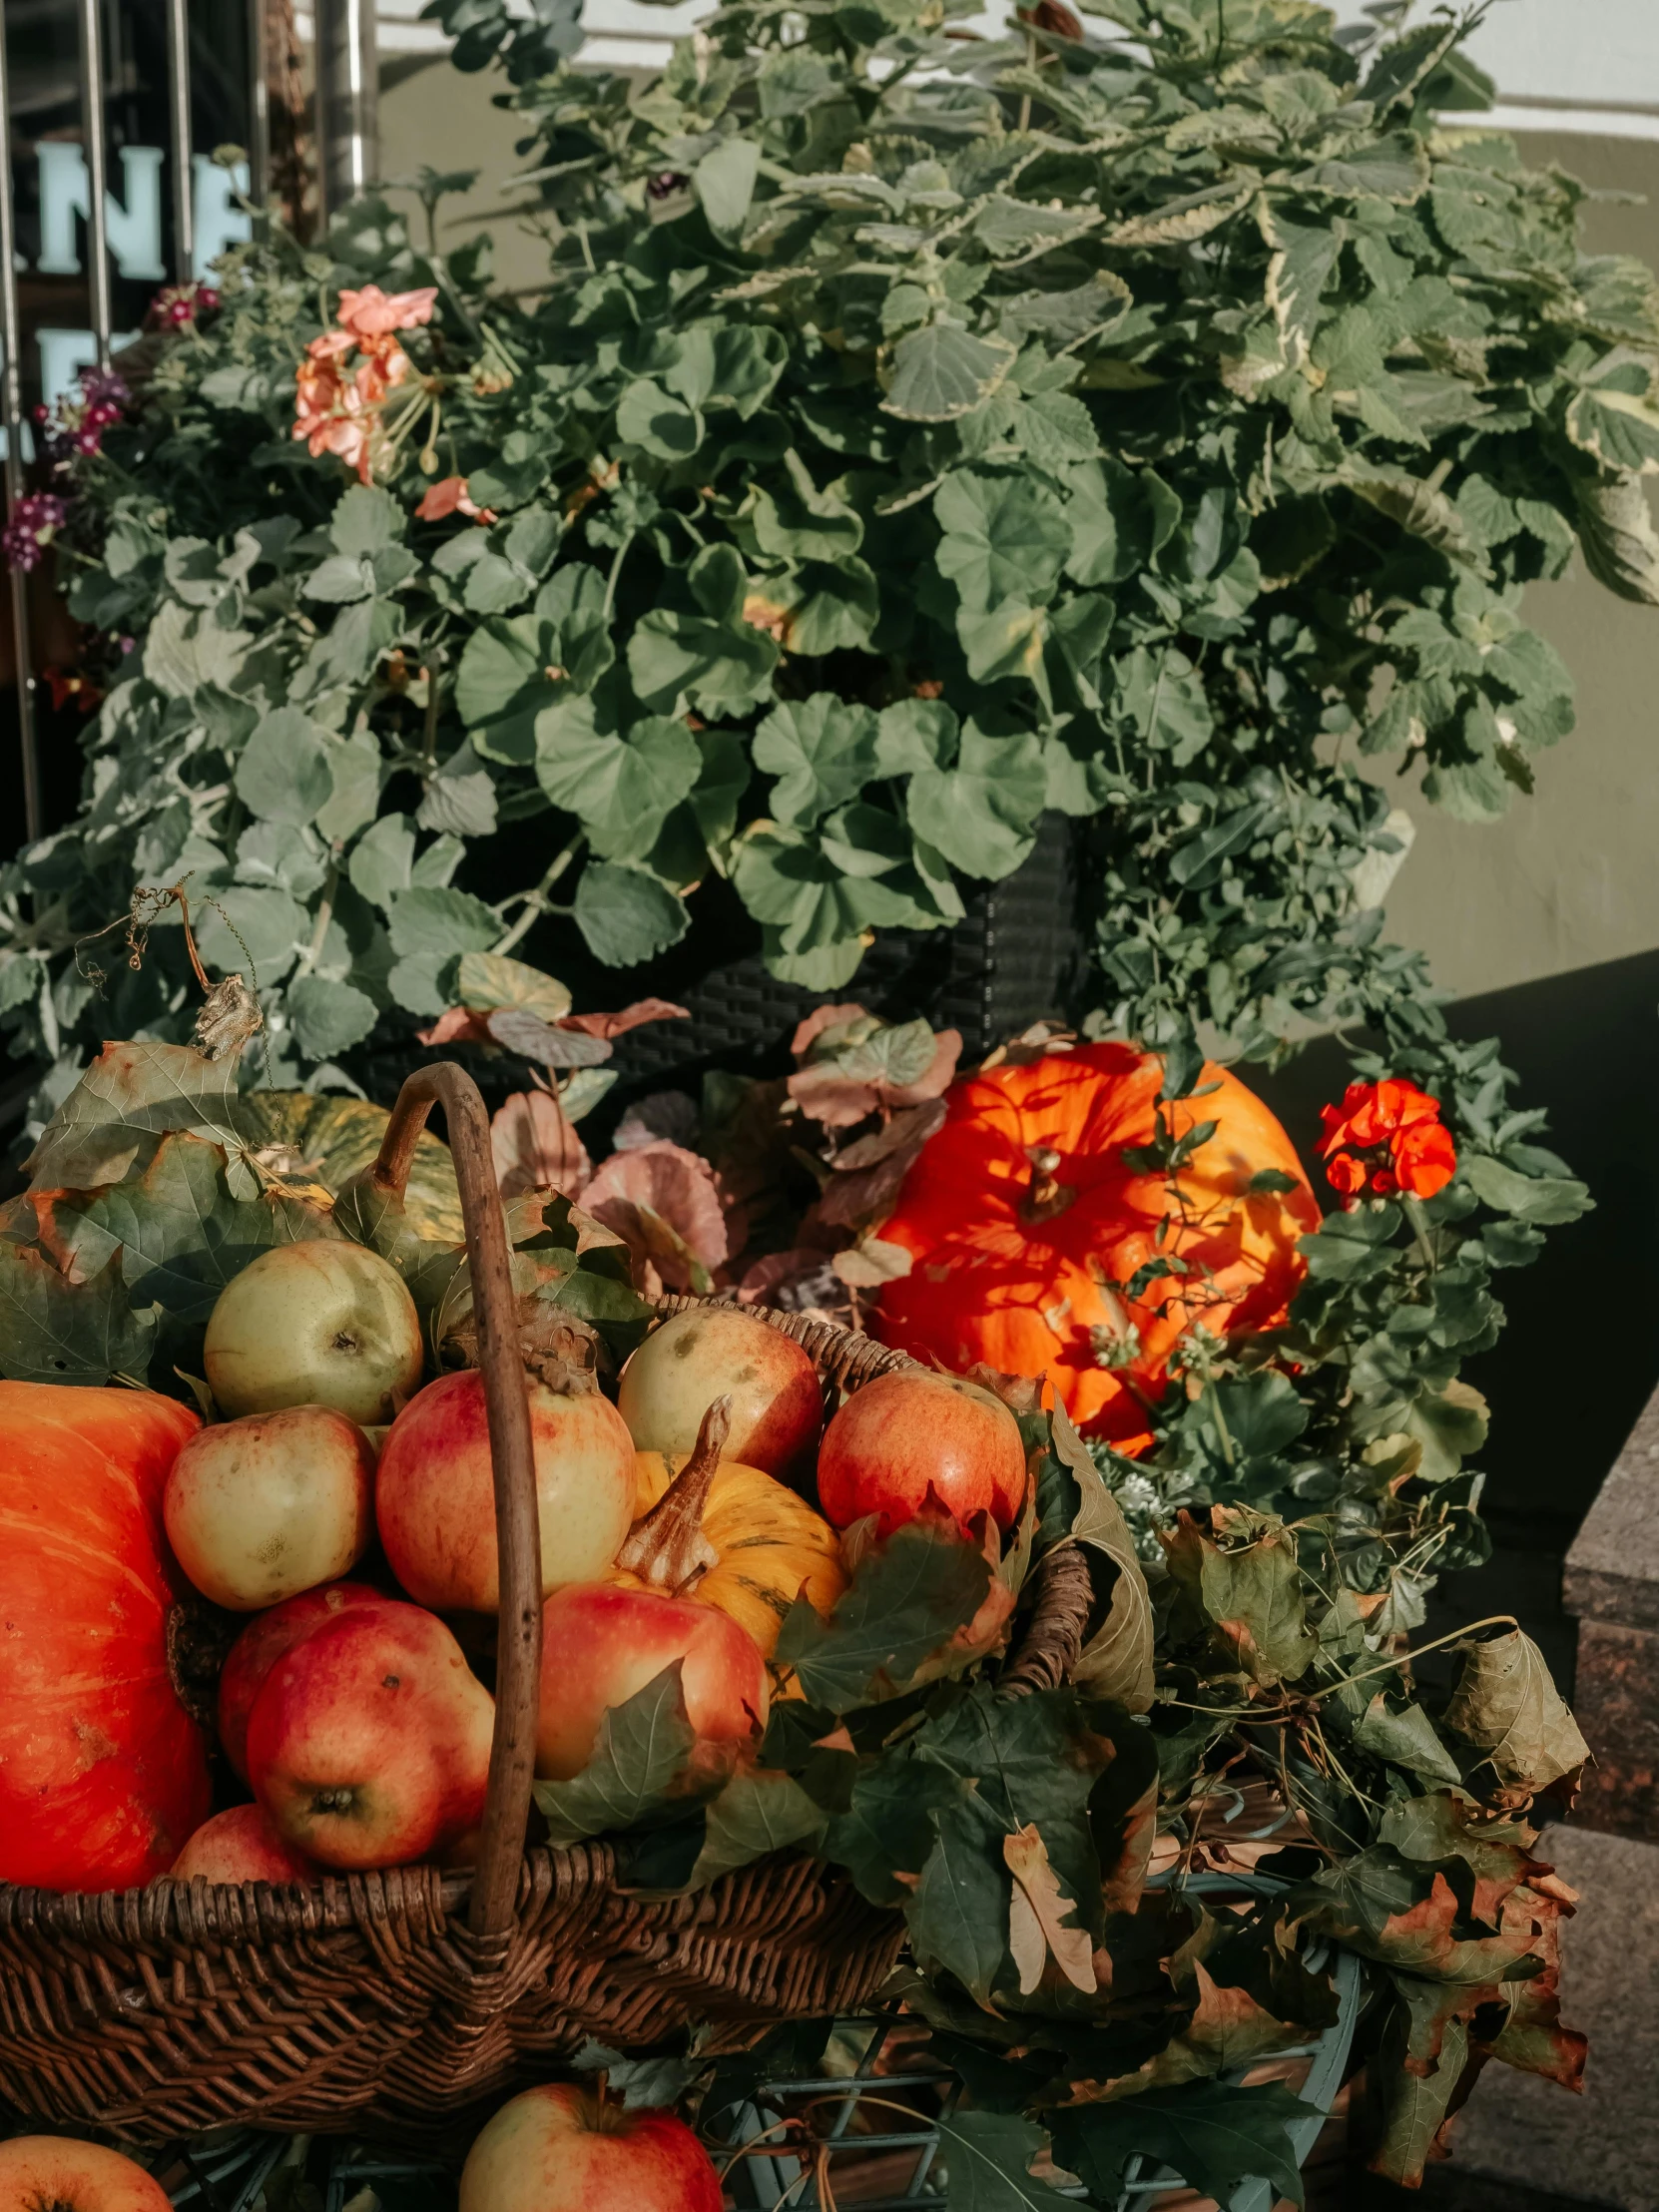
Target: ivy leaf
<point>908,1596</point>
<point>637,1769</point>
<point>1506,1705</point>
<point>1213,2134</point>
<point>54,1331</point>
<point>627,917</point>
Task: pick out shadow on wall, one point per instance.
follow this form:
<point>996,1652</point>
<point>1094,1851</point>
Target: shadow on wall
<point>1580,1355</point>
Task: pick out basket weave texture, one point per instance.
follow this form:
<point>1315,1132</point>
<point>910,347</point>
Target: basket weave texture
<point>389,2004</point>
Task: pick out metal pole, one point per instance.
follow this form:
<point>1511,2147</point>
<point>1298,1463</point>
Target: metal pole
<point>259,108</point>
<point>348,102</point>
<point>92,146</point>
<point>178,101</point>
<point>11,399</point>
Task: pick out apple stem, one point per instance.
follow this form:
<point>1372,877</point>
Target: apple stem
<point>667,1547</point>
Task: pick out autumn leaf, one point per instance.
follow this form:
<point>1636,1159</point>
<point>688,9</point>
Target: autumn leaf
<point>535,1148</point>
<point>1037,1914</point>
<point>664,1202</point>
<point>1508,1705</point>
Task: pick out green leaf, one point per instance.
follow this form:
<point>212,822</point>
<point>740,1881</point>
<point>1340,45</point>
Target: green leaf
<point>1415,2104</point>
<point>622,786</point>
<point>1164,696</point>
<point>724,181</point>
<point>983,812</point>
<point>798,521</point>
<point>677,659</point>
<point>887,1831</point>
<point>821,751</point>
<point>1304,257</point>
<point>957,1914</point>
<point>758,1812</point>
<point>283,773</point>
<point>329,1018</point>
<point>443,924</point>
<point>367,520</point>
<point>53,1331</point>
<point>637,1767</point>
<point>945,372</point>
<point>1506,1705</point>
<point>1621,428</point>
<point>658,422</point>
<point>1252,1594</point>
<point>180,1232</point>
<point>1213,2134</point>
<point>1005,537</point>
<point>1405,1738</point>
<point>1543,1199</point>
<point>908,1596</point>
<point>1621,546</point>
<point>131,1094</point>
<point>627,917</point>
<point>990,2157</point>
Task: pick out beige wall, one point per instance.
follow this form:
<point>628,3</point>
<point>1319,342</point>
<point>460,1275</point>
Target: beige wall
<point>1570,877</point>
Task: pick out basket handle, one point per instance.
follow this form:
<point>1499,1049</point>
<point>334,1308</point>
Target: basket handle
<point>512,1459</point>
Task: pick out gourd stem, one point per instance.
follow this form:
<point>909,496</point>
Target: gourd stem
<point>1046,1196</point>
<point>667,1547</point>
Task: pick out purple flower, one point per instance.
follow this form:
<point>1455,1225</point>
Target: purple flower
<point>33,520</point>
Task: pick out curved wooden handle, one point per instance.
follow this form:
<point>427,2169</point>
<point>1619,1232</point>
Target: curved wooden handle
<point>512,1458</point>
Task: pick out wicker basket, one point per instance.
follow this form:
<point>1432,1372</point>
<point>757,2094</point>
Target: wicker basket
<point>389,2004</point>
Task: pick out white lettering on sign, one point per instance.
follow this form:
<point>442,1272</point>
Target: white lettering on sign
<point>135,222</point>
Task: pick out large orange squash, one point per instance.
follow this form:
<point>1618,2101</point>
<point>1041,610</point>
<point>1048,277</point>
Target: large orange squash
<point>103,1773</point>
<point>1022,1211</point>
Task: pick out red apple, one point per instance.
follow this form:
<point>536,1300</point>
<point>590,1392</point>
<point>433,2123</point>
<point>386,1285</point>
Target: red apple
<point>435,1496</point>
<point>240,1846</point>
<point>259,1646</point>
<point>564,2149</point>
<point>599,1644</point>
<point>714,1352</point>
<point>323,1322</point>
<point>368,1743</point>
<point>54,2173</point>
<point>907,1433</point>
<point>260,1508</point>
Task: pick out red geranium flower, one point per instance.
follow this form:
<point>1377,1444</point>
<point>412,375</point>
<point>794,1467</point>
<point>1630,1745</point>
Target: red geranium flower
<point>1386,1138</point>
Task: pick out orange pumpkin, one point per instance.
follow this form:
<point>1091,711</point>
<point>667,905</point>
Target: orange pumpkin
<point>1022,1212</point>
<point>103,1773</point>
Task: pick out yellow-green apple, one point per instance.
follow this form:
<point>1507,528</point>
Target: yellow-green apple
<point>260,1508</point>
<point>600,1644</point>
<point>563,2148</point>
<point>324,1322</point>
<point>714,1352</point>
<point>54,2173</point>
<point>368,1742</point>
<point>435,1496</point>
<point>240,1846</point>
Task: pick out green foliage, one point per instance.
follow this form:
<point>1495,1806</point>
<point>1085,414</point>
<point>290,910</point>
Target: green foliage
<point>1184,418</point>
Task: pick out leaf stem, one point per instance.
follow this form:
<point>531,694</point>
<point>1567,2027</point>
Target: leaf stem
<point>535,902</point>
<point>1402,1659</point>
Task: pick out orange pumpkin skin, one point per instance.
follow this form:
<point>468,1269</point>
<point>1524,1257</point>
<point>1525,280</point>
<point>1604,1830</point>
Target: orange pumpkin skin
<point>103,1774</point>
<point>996,1276</point>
